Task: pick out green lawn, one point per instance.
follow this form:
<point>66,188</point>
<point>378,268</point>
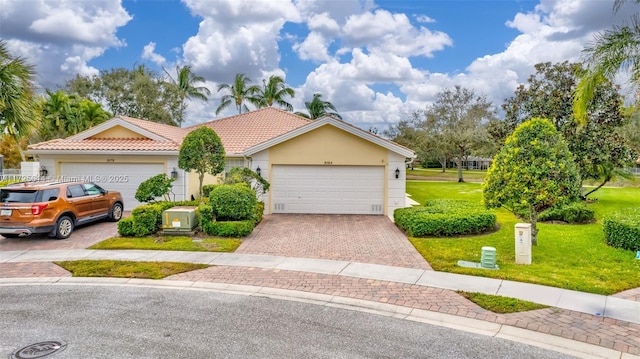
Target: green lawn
<point>127,269</point>
<point>567,256</point>
<point>170,243</point>
<point>451,174</point>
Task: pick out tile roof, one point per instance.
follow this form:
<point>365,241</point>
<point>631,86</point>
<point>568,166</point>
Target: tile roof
<point>107,144</point>
<point>240,132</point>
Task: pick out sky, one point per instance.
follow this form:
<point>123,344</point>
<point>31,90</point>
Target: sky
<point>376,61</point>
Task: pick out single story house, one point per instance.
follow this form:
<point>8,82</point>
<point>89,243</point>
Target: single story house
<point>321,166</point>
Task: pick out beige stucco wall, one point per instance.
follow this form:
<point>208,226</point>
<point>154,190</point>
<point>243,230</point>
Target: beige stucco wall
<point>328,145</point>
<point>117,132</point>
<point>194,181</point>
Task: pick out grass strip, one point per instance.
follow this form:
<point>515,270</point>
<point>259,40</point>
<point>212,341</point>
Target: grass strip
<point>127,269</point>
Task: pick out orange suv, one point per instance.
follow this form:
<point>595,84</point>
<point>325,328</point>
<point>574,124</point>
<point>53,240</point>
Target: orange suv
<point>54,208</point>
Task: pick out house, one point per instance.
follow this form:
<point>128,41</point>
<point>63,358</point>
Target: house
<point>321,166</point>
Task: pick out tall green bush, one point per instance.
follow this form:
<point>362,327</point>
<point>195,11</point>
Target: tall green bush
<point>233,202</point>
<point>154,187</point>
<point>445,218</point>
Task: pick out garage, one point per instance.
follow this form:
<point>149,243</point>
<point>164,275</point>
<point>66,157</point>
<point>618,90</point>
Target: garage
<point>328,189</point>
<point>122,177</point>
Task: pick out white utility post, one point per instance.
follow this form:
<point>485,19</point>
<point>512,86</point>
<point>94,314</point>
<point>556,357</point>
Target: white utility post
<point>523,243</point>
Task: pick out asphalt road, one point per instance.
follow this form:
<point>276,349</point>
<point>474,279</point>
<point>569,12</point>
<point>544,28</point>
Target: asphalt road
<point>137,322</point>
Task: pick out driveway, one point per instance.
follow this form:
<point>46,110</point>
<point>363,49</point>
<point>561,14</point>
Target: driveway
<point>82,237</point>
<point>368,239</point>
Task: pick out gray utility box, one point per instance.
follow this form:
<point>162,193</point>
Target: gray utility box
<point>179,219</point>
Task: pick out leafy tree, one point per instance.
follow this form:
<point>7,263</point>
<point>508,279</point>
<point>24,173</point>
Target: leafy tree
<point>457,119</point>
<point>11,157</point>
<point>317,108</point>
<point>17,81</point>
<point>533,171</point>
<point>239,93</point>
<point>611,51</point>
<point>154,187</point>
<point>410,132</point>
<point>202,152</point>
<point>600,152</point>
<point>187,88</point>
<point>245,175</point>
<point>138,93</point>
<point>273,91</point>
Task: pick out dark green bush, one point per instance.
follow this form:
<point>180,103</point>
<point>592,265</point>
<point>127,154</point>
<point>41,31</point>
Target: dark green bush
<point>207,188</point>
<point>229,228</point>
<point>233,202</point>
<point>125,227</point>
<point>445,218</point>
<point>622,230</point>
<point>154,187</point>
<point>259,212</point>
<point>206,214</point>
<point>576,212</point>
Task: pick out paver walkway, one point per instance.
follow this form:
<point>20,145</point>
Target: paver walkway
<point>82,237</point>
<point>366,239</point>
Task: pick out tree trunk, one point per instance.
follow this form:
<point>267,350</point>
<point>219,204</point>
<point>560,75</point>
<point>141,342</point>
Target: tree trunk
<point>533,219</point>
<point>201,179</point>
<point>460,179</point>
<point>605,181</point>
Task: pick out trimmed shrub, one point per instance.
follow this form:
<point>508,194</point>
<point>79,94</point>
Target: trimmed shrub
<point>154,187</point>
<point>233,202</point>
<point>207,188</point>
<point>259,212</point>
<point>445,218</point>
<point>206,214</point>
<point>229,228</point>
<point>147,219</point>
<point>576,212</point>
<point>622,230</point>
<point>125,227</point>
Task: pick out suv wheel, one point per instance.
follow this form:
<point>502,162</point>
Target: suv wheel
<point>64,227</point>
<point>116,212</point>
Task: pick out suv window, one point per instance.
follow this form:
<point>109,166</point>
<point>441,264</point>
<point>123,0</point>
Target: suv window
<point>75,191</point>
<point>92,189</point>
<point>49,194</point>
<point>19,196</point>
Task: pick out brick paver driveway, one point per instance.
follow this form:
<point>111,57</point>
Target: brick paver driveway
<point>82,237</point>
<point>368,239</point>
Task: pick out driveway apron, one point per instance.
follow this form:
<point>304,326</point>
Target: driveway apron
<point>357,238</point>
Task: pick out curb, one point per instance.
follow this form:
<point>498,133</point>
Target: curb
<point>541,340</point>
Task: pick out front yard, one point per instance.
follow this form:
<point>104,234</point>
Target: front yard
<point>567,256</point>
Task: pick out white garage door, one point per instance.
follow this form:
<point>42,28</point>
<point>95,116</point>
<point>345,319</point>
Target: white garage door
<point>122,177</point>
<point>328,189</point>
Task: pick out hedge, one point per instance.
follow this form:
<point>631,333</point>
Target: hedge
<point>229,228</point>
<point>445,218</point>
<point>235,202</point>
<point>259,212</point>
<point>622,230</point>
<point>576,212</point>
<point>147,219</point>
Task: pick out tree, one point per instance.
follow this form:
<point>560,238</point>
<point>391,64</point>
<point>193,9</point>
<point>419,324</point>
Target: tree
<point>187,88</point>
<point>202,152</point>
<point>239,92</point>
<point>457,118</point>
<point>11,157</point>
<point>154,187</point>
<point>138,93</point>
<point>17,81</point>
<point>533,171</point>
<point>611,51</point>
<point>410,132</point>
<point>598,148</point>
<point>273,91</point>
<point>317,108</point>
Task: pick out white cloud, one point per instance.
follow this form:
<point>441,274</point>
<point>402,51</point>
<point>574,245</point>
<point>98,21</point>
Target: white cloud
<point>148,53</point>
<point>314,48</point>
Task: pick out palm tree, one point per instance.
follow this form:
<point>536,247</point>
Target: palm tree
<point>318,108</point>
<point>186,84</point>
<point>611,51</point>
<point>274,90</point>
<point>239,92</point>
<point>17,80</point>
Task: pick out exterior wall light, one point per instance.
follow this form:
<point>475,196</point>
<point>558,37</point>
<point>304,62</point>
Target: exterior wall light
<point>43,171</point>
<point>174,173</point>
<point>397,172</point>
<point>258,171</point>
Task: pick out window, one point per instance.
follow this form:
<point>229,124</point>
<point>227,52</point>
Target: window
<point>92,189</point>
<point>75,191</point>
<point>50,194</point>
<point>232,163</point>
<point>18,196</point>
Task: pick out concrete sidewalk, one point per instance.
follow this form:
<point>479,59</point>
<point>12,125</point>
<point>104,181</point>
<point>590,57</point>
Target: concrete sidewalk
<point>593,304</point>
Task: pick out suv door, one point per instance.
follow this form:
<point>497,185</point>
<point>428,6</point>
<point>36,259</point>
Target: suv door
<point>100,204</point>
<point>77,197</point>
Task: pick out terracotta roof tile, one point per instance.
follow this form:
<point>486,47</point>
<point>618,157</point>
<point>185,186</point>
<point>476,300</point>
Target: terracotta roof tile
<point>169,132</point>
<point>102,144</point>
<point>240,132</point>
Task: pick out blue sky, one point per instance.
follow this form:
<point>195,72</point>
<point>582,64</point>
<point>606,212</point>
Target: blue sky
<point>377,61</point>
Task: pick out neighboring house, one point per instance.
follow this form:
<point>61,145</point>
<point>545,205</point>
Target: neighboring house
<point>322,166</point>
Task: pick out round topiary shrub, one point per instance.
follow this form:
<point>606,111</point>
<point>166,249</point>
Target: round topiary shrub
<point>233,202</point>
<point>445,218</point>
<point>622,230</point>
